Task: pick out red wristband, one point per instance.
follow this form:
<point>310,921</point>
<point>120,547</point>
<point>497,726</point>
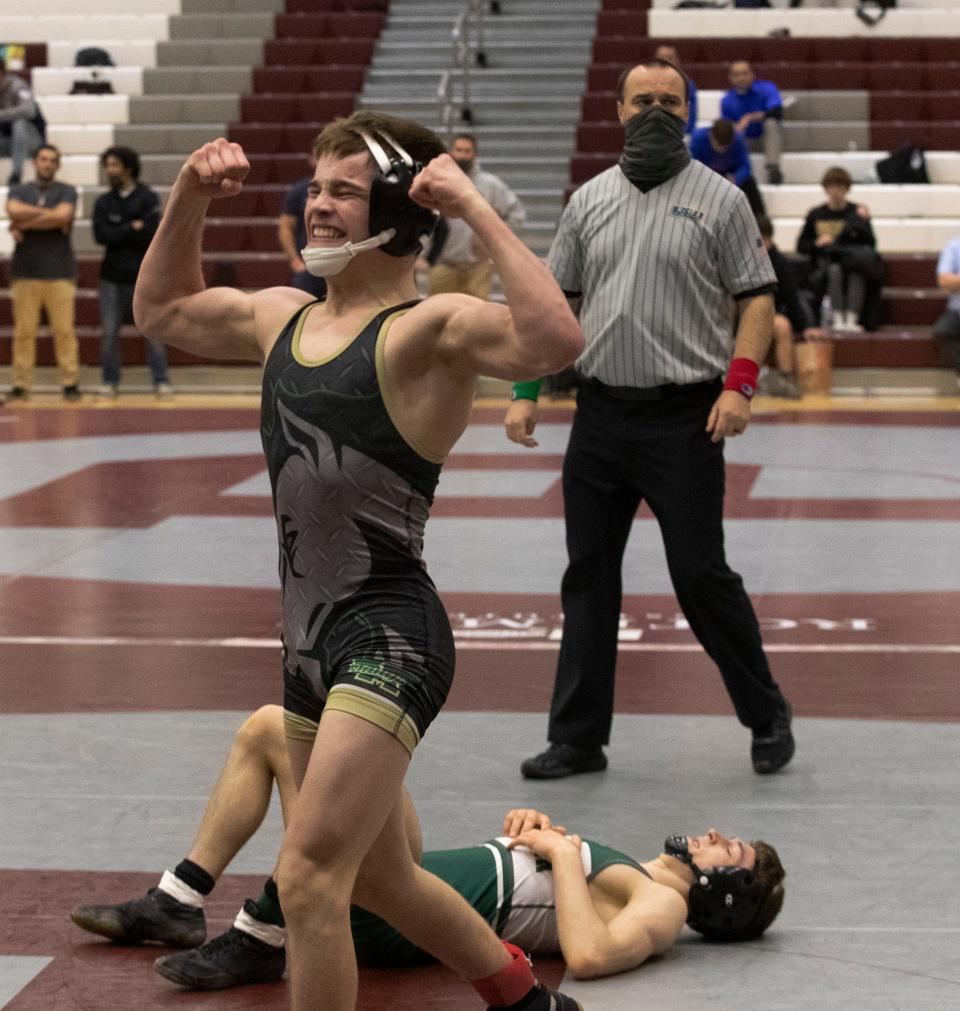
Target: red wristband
<point>511,984</point>
<point>742,377</point>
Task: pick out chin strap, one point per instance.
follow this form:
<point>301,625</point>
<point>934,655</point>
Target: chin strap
<point>333,259</point>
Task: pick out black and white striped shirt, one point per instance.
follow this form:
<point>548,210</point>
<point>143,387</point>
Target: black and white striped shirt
<point>659,273</point>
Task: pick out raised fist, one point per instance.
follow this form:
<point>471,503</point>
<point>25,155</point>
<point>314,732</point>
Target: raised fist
<point>216,170</point>
<point>443,186</point>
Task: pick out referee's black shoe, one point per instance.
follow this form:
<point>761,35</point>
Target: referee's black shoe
<point>560,760</point>
<point>773,744</point>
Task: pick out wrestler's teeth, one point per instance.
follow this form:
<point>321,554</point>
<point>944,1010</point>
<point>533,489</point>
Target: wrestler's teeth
<point>325,233</point>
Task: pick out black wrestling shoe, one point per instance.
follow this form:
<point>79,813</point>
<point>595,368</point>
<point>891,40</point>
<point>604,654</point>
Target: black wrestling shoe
<point>547,1000</point>
<point>232,959</point>
<point>561,760</point>
<point>155,916</point>
<point>773,745</point>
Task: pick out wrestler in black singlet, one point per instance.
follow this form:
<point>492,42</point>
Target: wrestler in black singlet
<point>363,628</point>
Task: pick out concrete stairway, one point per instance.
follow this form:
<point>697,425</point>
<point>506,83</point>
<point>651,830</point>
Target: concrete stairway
<point>525,102</point>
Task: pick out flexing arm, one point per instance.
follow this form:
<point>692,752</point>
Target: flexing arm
<point>591,947</point>
<point>171,303</point>
<point>535,333</point>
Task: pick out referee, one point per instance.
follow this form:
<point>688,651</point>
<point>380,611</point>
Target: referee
<point>673,281</point>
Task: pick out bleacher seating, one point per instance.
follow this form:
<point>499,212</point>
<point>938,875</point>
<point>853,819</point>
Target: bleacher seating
<point>269,79</point>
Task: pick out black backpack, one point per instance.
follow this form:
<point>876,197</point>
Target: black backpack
<point>905,165</point>
<point>93,56</point>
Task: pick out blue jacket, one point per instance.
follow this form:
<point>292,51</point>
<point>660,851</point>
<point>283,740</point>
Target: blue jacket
<point>692,118</point>
<point>761,96</point>
<point>733,162</point>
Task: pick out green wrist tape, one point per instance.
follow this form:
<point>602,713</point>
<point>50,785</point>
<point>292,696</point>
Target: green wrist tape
<point>529,390</point>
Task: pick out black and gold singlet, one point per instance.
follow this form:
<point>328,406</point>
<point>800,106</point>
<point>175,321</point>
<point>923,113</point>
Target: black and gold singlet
<point>351,499</point>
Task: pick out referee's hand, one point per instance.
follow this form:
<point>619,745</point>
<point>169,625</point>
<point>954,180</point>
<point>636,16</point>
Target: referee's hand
<point>729,416</point>
<point>520,421</point>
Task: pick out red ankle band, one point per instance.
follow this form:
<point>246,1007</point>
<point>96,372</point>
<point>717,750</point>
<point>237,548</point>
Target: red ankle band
<point>510,984</point>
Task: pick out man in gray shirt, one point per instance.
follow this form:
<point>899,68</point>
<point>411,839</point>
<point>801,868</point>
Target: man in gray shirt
<point>21,125</point>
<point>674,281</point>
<point>43,272</point>
<point>463,264</point>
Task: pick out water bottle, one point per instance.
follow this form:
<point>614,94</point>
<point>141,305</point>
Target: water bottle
<point>826,316</point>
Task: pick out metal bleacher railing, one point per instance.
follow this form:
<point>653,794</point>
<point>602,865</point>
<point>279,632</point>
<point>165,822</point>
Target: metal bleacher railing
<point>468,51</point>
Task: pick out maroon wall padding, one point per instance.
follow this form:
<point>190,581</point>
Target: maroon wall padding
<point>854,49</point>
<point>312,6</point>
<point>279,80</point>
<point>295,108</point>
<point>320,25</point>
<point>932,136</point>
<point>317,52</point>
<point>621,22</point>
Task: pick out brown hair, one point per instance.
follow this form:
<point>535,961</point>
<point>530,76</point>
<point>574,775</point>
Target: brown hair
<point>722,132</point>
<point>770,873</point>
<point>836,176</point>
<point>341,139</point>
<point>654,61</point>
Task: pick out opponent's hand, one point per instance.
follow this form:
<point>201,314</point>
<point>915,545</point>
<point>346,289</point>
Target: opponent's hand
<point>216,170</point>
<point>520,421</point>
<point>547,844</point>
<point>523,819</point>
<point>729,416</point>
<point>443,186</point>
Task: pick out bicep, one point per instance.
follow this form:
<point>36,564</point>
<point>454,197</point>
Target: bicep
<point>214,323</point>
<point>480,337</point>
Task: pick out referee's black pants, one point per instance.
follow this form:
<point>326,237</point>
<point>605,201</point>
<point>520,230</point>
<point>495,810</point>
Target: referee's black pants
<point>622,453</point>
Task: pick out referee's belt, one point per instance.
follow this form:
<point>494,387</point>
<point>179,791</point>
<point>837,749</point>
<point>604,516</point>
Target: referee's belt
<point>646,394</point>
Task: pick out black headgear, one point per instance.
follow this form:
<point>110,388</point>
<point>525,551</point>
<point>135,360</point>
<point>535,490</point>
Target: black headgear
<point>723,901</point>
<point>390,204</point>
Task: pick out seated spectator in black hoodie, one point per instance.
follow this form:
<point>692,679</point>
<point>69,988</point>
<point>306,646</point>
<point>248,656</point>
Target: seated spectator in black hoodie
<point>124,221</point>
<point>793,320</point>
<point>838,238</point>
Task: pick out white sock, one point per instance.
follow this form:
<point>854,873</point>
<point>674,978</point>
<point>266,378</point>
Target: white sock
<point>180,891</point>
<point>269,933</point>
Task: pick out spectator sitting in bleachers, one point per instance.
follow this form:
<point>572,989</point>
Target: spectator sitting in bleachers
<point>793,320</point>
<point>670,54</point>
<point>720,148</point>
<point>22,128</point>
<point>839,240</point>
<point>756,110</point>
<point>946,330</point>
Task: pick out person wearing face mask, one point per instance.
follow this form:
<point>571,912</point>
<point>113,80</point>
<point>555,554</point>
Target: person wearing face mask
<point>462,263</point>
<point>364,395</point>
<point>125,219</point>
<point>673,281</point>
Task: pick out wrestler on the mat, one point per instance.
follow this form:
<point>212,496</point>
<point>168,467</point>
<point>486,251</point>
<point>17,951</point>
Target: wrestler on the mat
<point>545,891</point>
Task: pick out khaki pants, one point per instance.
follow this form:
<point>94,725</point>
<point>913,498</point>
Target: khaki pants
<point>469,278</point>
<point>59,300</point>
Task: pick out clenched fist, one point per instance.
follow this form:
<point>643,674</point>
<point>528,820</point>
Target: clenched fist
<point>216,170</point>
<point>443,186</point>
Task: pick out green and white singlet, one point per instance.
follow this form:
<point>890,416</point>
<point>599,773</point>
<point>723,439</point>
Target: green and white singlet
<point>513,890</point>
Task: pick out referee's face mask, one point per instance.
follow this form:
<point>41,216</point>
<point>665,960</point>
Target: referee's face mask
<point>653,148</point>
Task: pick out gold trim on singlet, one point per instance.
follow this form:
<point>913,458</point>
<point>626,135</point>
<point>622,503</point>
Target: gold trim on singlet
<point>299,728</point>
<point>388,401</point>
<point>376,710</point>
<point>311,362</point>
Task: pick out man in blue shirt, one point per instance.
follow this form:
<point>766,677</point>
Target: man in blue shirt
<point>720,148</point>
<point>947,328</point>
<point>756,110</point>
<point>670,54</point>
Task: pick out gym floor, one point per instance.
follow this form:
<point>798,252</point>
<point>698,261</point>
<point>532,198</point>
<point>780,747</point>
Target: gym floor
<point>139,622</point>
